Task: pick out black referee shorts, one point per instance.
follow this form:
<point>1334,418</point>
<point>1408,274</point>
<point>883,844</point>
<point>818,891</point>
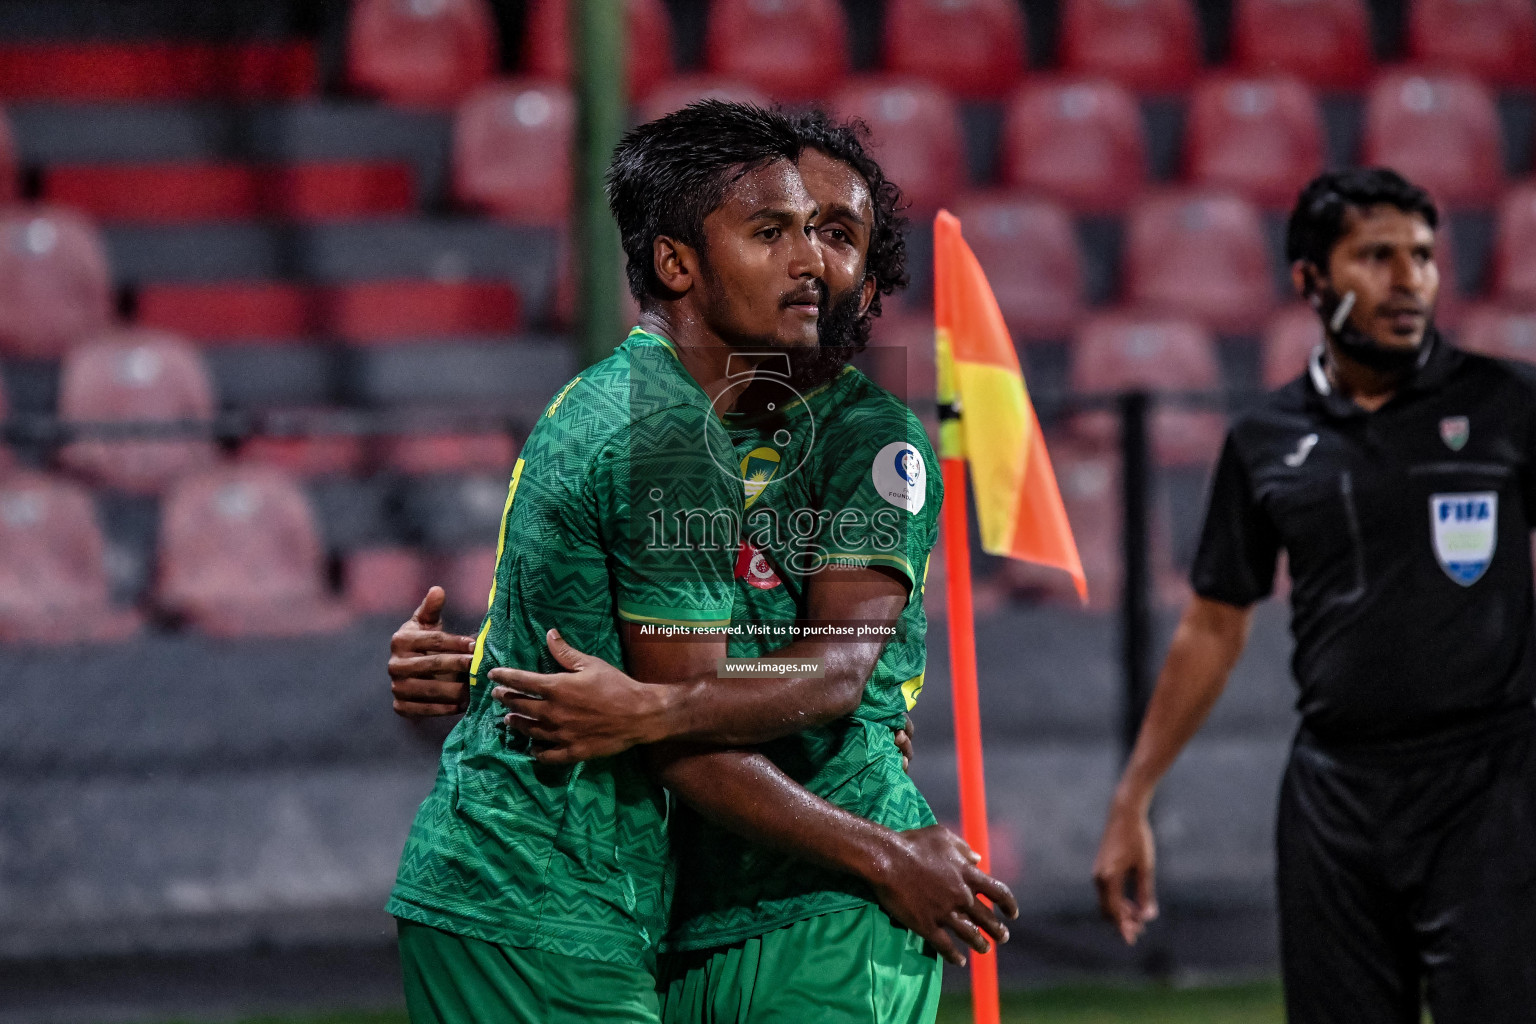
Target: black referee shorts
<point>1408,877</point>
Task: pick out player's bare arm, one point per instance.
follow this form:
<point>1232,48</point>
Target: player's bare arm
<point>1207,643</point>
<point>596,710</point>
<point>428,666</point>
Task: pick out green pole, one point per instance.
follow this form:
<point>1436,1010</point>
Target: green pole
<point>600,116</point>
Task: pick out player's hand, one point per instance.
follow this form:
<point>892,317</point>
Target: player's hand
<point>934,887</point>
<point>1126,861</point>
<point>904,744</point>
<point>428,668</point>
<point>592,710</point>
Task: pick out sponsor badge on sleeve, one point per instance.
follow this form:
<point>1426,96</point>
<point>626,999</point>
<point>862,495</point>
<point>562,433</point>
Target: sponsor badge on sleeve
<point>1465,528</point>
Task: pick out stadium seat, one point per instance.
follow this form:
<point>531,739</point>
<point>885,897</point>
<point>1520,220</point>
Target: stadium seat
<point>7,459</point>
<point>466,578</point>
<point>172,193</point>
<point>1440,131</point>
<point>55,284</point>
<point>1493,40</point>
<point>974,48</point>
<point>648,43</point>
<point>239,555</point>
<point>1145,45</point>
<point>429,53</point>
<point>135,376</point>
<point>1116,352</point>
<point>450,512</point>
<point>388,311</point>
<point>914,133</point>
<point>384,580</point>
<point>269,310</point>
<point>1325,43</point>
<point>9,185</point>
<point>1515,250</point>
<point>1496,331</point>
<point>901,359</point>
<point>512,151</point>
<point>1200,254</point>
<point>1030,252</point>
<point>1288,342</point>
<point>794,50</point>
<point>305,456</point>
<point>677,93</point>
<point>53,571</point>
<point>1259,137</point>
<point>86,72</point>
<point>1082,143</point>
<point>420,454</point>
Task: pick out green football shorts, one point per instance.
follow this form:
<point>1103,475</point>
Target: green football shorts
<point>851,966</point>
<point>452,979</point>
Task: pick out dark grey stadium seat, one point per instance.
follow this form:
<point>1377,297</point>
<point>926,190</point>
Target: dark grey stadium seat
<point>519,375</point>
<point>257,375</point>
<point>450,513</point>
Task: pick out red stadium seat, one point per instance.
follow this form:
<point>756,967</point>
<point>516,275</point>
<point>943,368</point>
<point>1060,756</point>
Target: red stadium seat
<point>422,454</point>
<point>269,310</point>
<point>135,376</point>
<point>55,285</point>
<point>385,581</point>
<point>1515,250</point>
<point>1202,255</point>
<point>901,359</point>
<point>466,577</point>
<point>1438,131</point>
<point>53,573</point>
<point>679,92</point>
<point>429,53</point>
<point>1495,331</point>
<point>974,48</point>
<point>914,133</point>
<point>1116,352</point>
<point>386,311</point>
<point>1289,341</point>
<point>1495,40</point>
<point>1030,252</point>
<point>1259,137</point>
<point>95,72</point>
<point>1325,43</point>
<point>793,50</point>
<point>1146,45</point>
<point>1082,143</point>
<point>306,456</point>
<point>648,43</point>
<point>512,151</point>
<point>239,555</point>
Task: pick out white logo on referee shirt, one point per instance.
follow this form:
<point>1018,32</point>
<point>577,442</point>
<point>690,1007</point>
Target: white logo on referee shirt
<point>1297,457</point>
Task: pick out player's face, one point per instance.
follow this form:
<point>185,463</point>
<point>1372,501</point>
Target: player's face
<point>762,265</point>
<point>847,214</point>
<point>1387,258</point>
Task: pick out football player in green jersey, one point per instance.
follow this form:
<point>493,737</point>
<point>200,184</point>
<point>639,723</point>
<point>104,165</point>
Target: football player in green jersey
<point>533,892</point>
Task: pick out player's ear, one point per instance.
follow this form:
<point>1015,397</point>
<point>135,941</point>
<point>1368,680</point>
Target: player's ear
<point>1304,280</point>
<point>675,264</point>
<point>867,293</point>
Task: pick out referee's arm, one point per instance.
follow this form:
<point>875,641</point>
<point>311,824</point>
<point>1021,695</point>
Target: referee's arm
<point>1209,639</point>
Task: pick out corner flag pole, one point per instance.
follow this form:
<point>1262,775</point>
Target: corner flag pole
<point>962,662</point>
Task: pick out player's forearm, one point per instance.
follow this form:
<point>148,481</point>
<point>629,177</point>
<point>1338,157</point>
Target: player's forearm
<point>1205,647</point>
<point>744,792</point>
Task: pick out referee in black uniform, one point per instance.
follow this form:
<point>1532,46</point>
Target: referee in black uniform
<point>1397,475</point>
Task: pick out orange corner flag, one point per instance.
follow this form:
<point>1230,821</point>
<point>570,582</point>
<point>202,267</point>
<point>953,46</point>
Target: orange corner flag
<point>1017,501</point>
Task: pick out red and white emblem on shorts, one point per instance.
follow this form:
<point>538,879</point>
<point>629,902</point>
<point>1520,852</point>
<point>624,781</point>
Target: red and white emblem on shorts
<point>754,568</point>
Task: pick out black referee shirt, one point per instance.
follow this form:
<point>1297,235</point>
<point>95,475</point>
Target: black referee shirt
<point>1407,536</point>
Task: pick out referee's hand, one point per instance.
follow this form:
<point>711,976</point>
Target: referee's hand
<point>1125,865</point>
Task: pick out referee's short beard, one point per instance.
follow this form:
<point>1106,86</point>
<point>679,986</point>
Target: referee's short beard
<point>1360,347</point>
<point>837,334</point>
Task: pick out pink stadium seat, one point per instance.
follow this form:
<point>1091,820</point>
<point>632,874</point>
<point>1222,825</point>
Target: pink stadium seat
<point>1146,45</point>
<point>1202,255</point>
<point>1515,251</point>
<point>135,376</point>
<point>55,285</point>
<point>1325,43</point>
<point>1030,252</point>
<point>466,576</point>
<point>306,456</point>
<point>53,574</point>
<point>420,454</point>
<point>1116,352</point>
<point>239,555</point>
<point>269,310</point>
<point>648,42</point>
<point>386,311</point>
<point>1495,331</point>
<point>915,134</point>
<point>429,53</point>
<point>974,48</point>
<point>1440,131</point>
<point>793,50</point>
<point>1288,342</point>
<point>1259,137</point>
<point>8,168</point>
<point>84,72</point>
<point>901,359</point>
<point>385,581</point>
<point>1495,40</point>
<point>677,93</point>
<point>512,151</point>
<point>1080,142</point>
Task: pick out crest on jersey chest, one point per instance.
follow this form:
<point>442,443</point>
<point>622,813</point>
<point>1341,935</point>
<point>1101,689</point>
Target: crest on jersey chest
<point>1454,431</point>
<point>1465,528</point>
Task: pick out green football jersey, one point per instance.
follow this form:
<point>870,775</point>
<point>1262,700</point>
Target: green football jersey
<point>621,507</point>
<point>843,476</point>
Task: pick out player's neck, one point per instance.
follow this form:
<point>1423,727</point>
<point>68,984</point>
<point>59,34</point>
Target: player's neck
<point>709,359</point>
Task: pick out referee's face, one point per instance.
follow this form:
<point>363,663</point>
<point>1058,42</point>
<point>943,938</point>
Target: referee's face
<point>1387,258</point>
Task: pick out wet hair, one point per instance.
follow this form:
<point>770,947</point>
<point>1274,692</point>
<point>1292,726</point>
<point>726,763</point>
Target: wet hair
<point>667,175</point>
<point>844,141</point>
<point>1320,216</point>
